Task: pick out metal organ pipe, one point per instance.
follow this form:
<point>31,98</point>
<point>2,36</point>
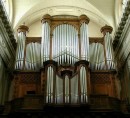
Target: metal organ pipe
<point>45,43</point>
<point>42,47</point>
<point>74,89</point>
<point>32,60</point>
<point>59,90</point>
<point>73,46</point>
<point>65,38</point>
<point>84,42</point>
<point>67,89</point>
<point>21,46</point>
<point>109,51</point>
<point>50,77</point>
<point>109,61</point>
<point>97,58</point>
<point>83,82</point>
<point>60,38</point>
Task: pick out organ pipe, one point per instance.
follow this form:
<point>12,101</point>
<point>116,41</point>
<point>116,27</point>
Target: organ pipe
<point>84,42</point>
<point>59,90</point>
<point>67,89</point>
<point>32,60</point>
<point>83,84</point>
<point>65,38</point>
<point>50,78</point>
<point>106,30</point>
<point>20,47</point>
<point>45,43</point>
<point>109,53</point>
<point>97,58</point>
<point>74,89</point>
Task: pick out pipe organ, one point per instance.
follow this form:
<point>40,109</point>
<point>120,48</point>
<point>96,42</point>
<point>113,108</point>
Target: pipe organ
<point>65,65</point>
<point>20,47</point>
<point>65,44</point>
<point>97,58</point>
<point>45,42</point>
<point>32,59</point>
<point>66,86</point>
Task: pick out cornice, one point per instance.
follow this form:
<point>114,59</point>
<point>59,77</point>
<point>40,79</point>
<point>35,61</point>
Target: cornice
<point>7,25</point>
<point>53,11</point>
<point>118,39</point>
<point>121,43</point>
<point>8,50</point>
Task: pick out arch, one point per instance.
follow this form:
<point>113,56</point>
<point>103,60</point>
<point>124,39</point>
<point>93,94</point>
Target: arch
<point>36,12</point>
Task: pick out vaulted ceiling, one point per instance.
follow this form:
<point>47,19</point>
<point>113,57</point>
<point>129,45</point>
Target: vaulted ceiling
<point>100,12</point>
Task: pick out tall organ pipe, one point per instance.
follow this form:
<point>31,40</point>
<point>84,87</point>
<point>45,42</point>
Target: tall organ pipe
<point>49,90</point>
<point>106,30</point>
<point>97,58</point>
<point>84,20</point>
<point>84,42</point>
<point>59,90</point>
<point>83,82</point>
<point>74,89</point>
<point>21,47</point>
<point>67,89</point>
<point>32,60</point>
<point>65,37</point>
<point>45,43</point>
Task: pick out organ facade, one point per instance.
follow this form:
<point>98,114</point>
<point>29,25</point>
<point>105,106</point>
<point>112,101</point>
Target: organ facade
<point>65,65</point>
<point>68,69</point>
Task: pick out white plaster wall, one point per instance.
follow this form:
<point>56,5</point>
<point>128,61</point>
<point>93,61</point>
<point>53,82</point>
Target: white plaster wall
<point>35,30</point>
<point>94,29</point>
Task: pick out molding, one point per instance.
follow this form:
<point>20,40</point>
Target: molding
<point>75,11</point>
<point>8,44</point>
<point>121,40</point>
<point>119,36</point>
<point>7,26</point>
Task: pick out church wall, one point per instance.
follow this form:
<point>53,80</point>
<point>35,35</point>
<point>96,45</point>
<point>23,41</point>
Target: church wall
<point>7,55</point>
<point>4,83</point>
<point>122,52</point>
<point>35,29</point>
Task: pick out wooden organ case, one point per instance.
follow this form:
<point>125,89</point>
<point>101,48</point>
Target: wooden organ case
<point>65,66</point>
